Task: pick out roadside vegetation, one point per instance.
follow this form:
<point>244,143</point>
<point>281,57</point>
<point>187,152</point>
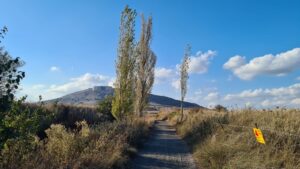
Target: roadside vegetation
<point>224,139</point>
<point>59,136</point>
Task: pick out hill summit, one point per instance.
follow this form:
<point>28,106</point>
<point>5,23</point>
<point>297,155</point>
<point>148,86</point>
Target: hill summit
<point>93,95</point>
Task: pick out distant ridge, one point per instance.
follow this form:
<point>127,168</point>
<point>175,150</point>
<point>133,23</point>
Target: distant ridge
<point>93,95</point>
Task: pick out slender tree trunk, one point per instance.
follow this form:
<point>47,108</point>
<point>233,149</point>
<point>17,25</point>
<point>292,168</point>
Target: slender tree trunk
<point>181,109</point>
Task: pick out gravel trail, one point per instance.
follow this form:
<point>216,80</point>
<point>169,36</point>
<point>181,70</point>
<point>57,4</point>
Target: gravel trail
<point>163,150</point>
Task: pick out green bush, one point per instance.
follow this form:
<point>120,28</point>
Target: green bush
<point>105,107</point>
<point>22,122</point>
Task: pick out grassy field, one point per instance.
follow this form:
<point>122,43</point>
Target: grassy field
<point>73,137</point>
<point>82,137</point>
<point>226,139</point>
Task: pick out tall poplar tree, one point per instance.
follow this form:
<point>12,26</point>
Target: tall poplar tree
<point>122,104</point>
<point>184,76</point>
<point>145,64</point>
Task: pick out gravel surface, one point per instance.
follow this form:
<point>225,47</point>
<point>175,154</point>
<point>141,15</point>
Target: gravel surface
<point>163,150</point>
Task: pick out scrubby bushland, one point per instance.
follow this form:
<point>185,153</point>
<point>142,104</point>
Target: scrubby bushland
<point>60,136</point>
<point>66,115</point>
<point>233,145</point>
<point>107,145</point>
<point>18,131</point>
<point>69,115</point>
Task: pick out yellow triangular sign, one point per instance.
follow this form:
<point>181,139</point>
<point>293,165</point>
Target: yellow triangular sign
<point>259,136</point>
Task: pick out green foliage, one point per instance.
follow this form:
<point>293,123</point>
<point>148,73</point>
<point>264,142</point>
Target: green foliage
<point>60,144</point>
<point>3,31</point>
<point>122,104</point>
<point>10,77</point>
<point>22,122</point>
<point>15,121</point>
<point>104,107</point>
<point>74,144</point>
<point>17,151</point>
<point>18,132</point>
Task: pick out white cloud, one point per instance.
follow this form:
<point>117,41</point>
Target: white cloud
<point>176,83</point>
<point>282,96</point>
<point>211,99</point>
<point>54,69</point>
<point>85,81</point>
<point>162,73</point>
<point>198,92</point>
<point>266,103</point>
<point>200,62</point>
<point>296,101</point>
<point>79,83</point>
<point>164,76</point>
<point>234,62</point>
<point>111,83</point>
<point>32,92</point>
<point>38,86</point>
<point>245,94</point>
<point>213,96</point>
<point>278,65</point>
<point>248,104</point>
<point>206,96</point>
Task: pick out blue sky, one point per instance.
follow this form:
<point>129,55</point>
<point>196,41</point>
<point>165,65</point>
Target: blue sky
<point>70,45</point>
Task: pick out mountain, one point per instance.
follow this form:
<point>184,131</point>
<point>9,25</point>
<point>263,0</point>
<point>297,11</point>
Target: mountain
<point>93,95</point>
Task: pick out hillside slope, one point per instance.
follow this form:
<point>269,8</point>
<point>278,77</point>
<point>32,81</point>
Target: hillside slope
<point>93,95</point>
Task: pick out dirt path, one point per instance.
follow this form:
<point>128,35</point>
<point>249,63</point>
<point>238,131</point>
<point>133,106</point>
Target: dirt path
<point>163,150</point>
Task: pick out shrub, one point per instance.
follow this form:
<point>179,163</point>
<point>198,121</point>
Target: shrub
<point>104,107</point>
<point>17,151</point>
<point>21,121</point>
<point>107,145</point>
<point>220,108</point>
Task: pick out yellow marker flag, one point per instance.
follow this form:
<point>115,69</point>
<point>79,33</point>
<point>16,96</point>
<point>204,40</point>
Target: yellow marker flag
<point>259,136</point>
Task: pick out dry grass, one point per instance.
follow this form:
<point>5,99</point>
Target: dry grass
<point>105,146</point>
<point>232,146</point>
<point>150,118</point>
<point>71,137</point>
